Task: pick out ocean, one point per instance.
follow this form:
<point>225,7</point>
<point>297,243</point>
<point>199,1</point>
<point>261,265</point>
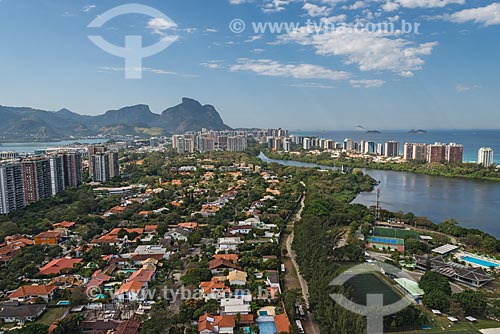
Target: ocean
<point>471,139</point>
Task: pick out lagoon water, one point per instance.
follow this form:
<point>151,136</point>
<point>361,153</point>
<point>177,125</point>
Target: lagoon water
<point>474,203</point>
<point>31,147</point>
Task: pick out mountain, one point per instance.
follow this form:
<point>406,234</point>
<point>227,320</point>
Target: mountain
<point>19,123</point>
<point>190,114</point>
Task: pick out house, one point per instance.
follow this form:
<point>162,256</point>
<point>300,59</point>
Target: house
<point>63,226</point>
<point>131,291</point>
<point>58,266</point>
<point>143,275</point>
<point>48,238</point>
<point>228,244</point>
<point>15,312</point>
<point>188,226</point>
<point>26,293</point>
<point>230,257</point>
<point>243,230</point>
<point>113,237</point>
<point>219,324</point>
<point>150,230</point>
<point>177,234</point>
<point>273,284</point>
<point>12,246</point>
<point>144,252</point>
<point>237,303</point>
<point>98,278</point>
<point>218,266</point>
<point>214,289</point>
<point>282,323</point>
<point>237,277</point>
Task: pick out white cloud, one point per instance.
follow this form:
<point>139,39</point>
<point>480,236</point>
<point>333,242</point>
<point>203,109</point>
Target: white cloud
<point>257,50</point>
<point>357,5</point>
<point>273,68</point>
<point>212,30</point>
<point>366,83</point>
<point>461,88</point>
<point>370,51</point>
<point>315,10</point>
<point>312,85</point>
<point>237,2</point>
<point>160,25</point>
<point>390,6</point>
<point>275,6</point>
<point>489,15</point>
<point>88,8</point>
<point>212,64</point>
<point>333,19</point>
<point>253,38</point>
<point>429,3</point>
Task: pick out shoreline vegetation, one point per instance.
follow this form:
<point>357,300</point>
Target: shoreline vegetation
<point>466,170</point>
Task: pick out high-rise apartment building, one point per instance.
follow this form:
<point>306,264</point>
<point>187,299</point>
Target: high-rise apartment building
<point>236,143</point>
<point>436,153</point>
<point>349,145</point>
<point>105,166</point>
<point>57,174</point>
<point>485,156</point>
<point>454,153</point>
<point>11,187</point>
<point>72,169</point>
<point>415,151</point>
<point>391,149</point>
<point>306,145</point>
<point>37,179</point>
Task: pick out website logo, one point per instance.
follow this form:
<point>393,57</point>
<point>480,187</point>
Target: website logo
<point>374,310</point>
<point>133,51</point>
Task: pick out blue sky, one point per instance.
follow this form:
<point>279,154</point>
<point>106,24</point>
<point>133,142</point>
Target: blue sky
<point>444,76</point>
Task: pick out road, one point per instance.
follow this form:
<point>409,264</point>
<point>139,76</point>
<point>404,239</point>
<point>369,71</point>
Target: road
<point>310,326</point>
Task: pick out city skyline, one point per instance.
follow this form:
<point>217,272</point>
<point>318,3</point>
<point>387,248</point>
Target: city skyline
<point>444,76</point>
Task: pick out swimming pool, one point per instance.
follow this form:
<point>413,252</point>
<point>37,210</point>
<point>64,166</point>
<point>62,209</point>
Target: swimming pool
<point>479,262</point>
<point>267,327</point>
<point>63,303</point>
<point>263,313</point>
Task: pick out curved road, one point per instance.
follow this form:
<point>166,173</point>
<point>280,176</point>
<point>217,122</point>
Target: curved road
<point>310,326</point>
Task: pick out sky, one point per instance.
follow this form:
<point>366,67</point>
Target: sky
<point>297,64</point>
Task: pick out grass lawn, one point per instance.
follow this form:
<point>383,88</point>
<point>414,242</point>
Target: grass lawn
<point>51,315</point>
<point>443,325</point>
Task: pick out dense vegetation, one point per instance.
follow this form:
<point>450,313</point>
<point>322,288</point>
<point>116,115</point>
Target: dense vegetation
<point>326,217</point>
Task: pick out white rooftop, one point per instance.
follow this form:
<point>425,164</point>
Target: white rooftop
<point>445,249</point>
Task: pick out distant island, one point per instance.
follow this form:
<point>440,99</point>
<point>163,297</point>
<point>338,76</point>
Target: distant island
<point>419,131</point>
<point>373,132</point>
<point>360,128</point>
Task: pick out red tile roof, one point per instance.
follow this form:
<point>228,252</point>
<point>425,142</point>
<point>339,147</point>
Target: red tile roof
<point>65,224</point>
<point>228,257</point>
<point>130,286</point>
<point>208,322</point>
<point>217,263</point>
<point>32,291</point>
<point>57,265</point>
<point>48,234</point>
<point>282,323</point>
<point>142,275</point>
